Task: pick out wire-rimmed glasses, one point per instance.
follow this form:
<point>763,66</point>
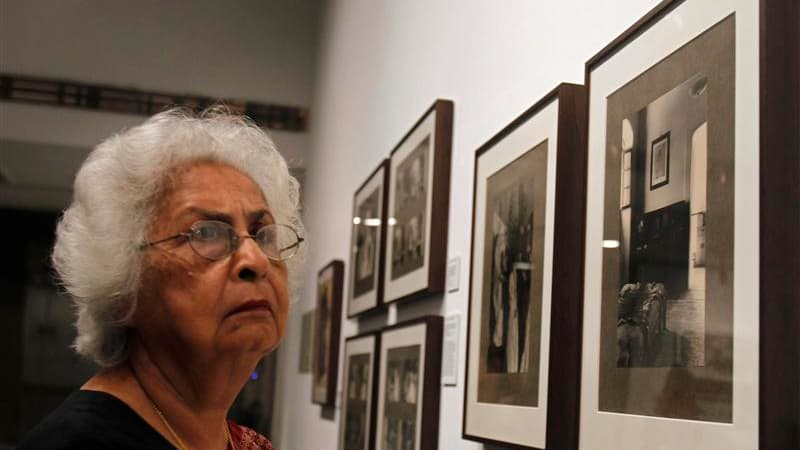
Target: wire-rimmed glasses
<point>215,240</point>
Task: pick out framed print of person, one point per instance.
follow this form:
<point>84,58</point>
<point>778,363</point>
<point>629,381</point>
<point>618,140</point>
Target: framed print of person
<point>357,424</point>
<point>675,345</point>
<point>419,192</point>
<point>327,321</point>
<point>368,243</point>
<point>527,185</point>
<point>408,385</point>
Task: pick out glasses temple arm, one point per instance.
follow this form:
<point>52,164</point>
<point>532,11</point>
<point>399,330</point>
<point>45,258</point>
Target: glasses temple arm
<point>299,240</point>
<point>150,244</point>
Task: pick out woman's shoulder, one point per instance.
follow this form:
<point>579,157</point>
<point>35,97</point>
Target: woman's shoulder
<point>247,438</point>
<point>93,420</point>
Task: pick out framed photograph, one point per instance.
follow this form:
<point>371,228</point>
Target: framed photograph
<point>671,325</point>
<point>359,389</point>
<point>327,322</point>
<point>528,181</point>
<point>408,385</point>
<point>419,195</point>
<point>306,342</point>
<point>659,162</point>
<point>368,243</point>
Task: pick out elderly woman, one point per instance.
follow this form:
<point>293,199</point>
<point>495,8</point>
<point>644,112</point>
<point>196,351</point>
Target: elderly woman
<point>177,251</point>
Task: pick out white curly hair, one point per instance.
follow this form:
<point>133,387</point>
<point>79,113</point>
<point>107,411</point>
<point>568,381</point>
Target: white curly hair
<point>97,250</point>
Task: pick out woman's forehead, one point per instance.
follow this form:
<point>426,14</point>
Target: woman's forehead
<point>212,188</point>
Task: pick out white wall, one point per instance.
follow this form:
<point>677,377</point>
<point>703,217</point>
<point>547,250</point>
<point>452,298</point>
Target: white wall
<point>255,50</point>
<point>382,63</point>
<point>246,49</point>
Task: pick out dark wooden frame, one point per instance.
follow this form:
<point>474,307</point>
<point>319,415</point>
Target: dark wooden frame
<point>656,141</point>
<point>376,364</point>
<point>779,213</point>
<point>336,323</point>
<point>383,166</point>
<point>566,302</point>
<point>440,199</point>
<point>431,384</point>
<point>779,248</point>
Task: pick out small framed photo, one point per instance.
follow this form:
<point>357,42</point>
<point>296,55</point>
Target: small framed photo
<point>659,161</point>
<point>327,322</point>
<point>689,300</point>
<point>419,194</point>
<point>409,385</point>
<point>368,243</point>
<point>359,390</point>
<point>522,361</point>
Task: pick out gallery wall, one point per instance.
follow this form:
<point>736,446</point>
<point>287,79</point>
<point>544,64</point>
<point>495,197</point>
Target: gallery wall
<point>243,50</point>
<point>382,64</point>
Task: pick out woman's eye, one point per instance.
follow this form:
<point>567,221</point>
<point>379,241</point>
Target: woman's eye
<point>207,232</point>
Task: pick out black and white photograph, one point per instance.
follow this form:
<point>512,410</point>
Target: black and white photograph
<point>408,386</point>
<point>400,410</point>
<point>357,425</point>
<point>511,237</point>
<point>327,322</point>
<point>418,206</point>
<point>513,244</point>
<point>665,293</point>
<point>661,299</point>
<point>668,253</point>
<point>522,278</point>
<point>368,243</point>
<point>409,212</point>
<point>356,398</point>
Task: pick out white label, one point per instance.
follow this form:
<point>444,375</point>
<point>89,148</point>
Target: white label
<point>453,273</point>
<point>452,326</point>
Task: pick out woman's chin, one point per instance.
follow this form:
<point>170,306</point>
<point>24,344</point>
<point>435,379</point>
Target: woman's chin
<point>251,338</point>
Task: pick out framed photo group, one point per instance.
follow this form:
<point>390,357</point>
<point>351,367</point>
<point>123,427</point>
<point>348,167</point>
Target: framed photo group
<point>391,377</point>
<point>396,211</point>
<point>618,297</point>
<point>391,387</point>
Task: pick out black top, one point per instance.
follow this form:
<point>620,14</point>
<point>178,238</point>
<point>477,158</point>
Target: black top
<point>92,420</point>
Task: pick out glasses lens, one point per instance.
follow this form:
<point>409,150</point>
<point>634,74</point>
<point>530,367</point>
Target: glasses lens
<point>278,241</point>
<point>211,239</point>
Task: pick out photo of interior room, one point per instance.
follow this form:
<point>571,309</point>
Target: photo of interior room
<point>661,305</point>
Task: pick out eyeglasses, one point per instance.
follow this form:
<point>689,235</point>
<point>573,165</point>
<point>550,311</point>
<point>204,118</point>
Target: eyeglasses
<point>215,240</point>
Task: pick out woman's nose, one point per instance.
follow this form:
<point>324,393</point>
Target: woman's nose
<point>251,263</point>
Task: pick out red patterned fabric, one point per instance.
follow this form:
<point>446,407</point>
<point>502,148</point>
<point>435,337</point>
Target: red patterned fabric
<point>247,439</point>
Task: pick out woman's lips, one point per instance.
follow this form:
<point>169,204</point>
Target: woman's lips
<point>259,305</point>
